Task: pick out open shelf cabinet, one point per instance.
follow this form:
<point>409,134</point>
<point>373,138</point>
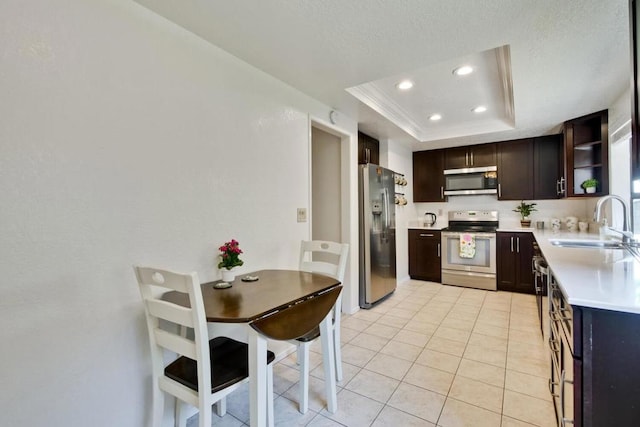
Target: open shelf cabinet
<point>586,141</point>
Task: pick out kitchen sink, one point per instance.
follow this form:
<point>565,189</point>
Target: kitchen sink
<point>586,243</point>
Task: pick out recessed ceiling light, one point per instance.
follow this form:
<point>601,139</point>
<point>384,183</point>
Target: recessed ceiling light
<point>463,71</point>
<point>405,85</point>
<point>479,109</point>
<point>435,117</point>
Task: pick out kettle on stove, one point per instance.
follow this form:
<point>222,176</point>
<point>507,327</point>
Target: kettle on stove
<point>429,219</point>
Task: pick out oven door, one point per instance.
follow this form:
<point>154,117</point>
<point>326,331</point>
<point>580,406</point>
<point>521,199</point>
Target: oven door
<point>484,260</point>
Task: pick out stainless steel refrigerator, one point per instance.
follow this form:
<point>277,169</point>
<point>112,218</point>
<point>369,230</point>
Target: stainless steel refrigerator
<point>377,234</point>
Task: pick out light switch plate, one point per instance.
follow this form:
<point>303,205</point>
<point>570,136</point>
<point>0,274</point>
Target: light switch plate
<point>302,214</point>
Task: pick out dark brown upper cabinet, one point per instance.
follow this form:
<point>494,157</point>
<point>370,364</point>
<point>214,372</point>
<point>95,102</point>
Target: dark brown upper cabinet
<point>531,168</point>
<point>586,143</point>
<point>428,176</point>
<point>368,149</point>
<point>472,156</point>
<point>515,170</point>
<point>548,167</point>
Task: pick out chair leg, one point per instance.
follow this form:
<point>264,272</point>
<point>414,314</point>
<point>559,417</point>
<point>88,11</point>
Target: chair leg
<point>270,410</point>
<point>299,353</point>
<point>221,407</point>
<point>328,354</point>
<point>338,353</point>
<point>335,329</point>
<point>158,407</point>
<point>180,417</point>
<point>303,360</point>
<point>205,415</point>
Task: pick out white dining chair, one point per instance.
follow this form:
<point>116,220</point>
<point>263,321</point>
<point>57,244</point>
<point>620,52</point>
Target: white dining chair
<point>205,370</point>
<point>329,258</point>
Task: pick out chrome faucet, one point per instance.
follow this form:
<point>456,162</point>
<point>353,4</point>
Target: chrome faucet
<point>627,234</point>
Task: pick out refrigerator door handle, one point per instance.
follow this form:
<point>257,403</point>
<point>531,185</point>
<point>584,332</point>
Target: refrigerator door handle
<point>385,207</point>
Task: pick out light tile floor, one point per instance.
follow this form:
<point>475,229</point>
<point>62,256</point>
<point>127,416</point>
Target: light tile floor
<point>430,355</point>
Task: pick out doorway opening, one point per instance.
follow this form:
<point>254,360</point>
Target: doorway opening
<point>333,197</point>
<point>326,212</point>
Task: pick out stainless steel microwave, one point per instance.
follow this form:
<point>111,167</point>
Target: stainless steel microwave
<point>469,181</point>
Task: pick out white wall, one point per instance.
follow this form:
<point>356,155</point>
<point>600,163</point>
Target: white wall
<point>619,159</point>
<point>399,158</point>
<point>127,140</point>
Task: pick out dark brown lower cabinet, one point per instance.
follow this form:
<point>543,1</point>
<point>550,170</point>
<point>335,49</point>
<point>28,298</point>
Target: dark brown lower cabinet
<point>424,255</point>
<point>598,380</point>
<point>513,261</point>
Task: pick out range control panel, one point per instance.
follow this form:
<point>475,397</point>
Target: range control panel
<point>473,216</point>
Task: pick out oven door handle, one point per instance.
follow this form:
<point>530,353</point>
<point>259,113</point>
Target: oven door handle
<point>457,234</point>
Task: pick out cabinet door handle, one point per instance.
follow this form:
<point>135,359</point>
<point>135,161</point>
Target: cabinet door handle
<point>518,244</point>
<point>561,185</point>
<point>438,250</point>
<point>499,190</point>
<point>471,158</point>
<point>426,235</point>
<point>367,152</point>
<point>441,192</point>
<point>466,158</point>
<point>511,244</point>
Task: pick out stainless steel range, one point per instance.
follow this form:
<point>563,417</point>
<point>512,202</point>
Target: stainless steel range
<point>469,249</point>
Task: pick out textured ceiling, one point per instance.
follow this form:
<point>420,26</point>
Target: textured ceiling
<point>568,58</point>
<point>437,90</point>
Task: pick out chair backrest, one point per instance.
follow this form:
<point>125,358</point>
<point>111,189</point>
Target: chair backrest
<point>153,282</point>
<point>330,258</point>
<point>299,319</point>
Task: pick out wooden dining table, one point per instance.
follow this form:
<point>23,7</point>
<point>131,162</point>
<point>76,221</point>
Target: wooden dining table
<point>235,308</point>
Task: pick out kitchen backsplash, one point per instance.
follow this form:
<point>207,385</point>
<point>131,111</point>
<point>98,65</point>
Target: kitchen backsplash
<point>546,209</point>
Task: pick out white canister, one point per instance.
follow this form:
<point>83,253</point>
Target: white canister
<point>555,224</point>
<point>572,223</point>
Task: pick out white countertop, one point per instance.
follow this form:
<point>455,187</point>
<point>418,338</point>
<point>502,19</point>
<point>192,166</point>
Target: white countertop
<point>516,229</point>
<point>436,227</point>
<point>599,278</point>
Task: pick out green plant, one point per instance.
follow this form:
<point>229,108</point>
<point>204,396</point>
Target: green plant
<point>588,183</point>
<point>230,256</point>
<point>525,209</point>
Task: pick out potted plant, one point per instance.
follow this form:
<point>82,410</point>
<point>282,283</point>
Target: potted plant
<point>589,185</point>
<point>525,209</point>
<point>229,259</point>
